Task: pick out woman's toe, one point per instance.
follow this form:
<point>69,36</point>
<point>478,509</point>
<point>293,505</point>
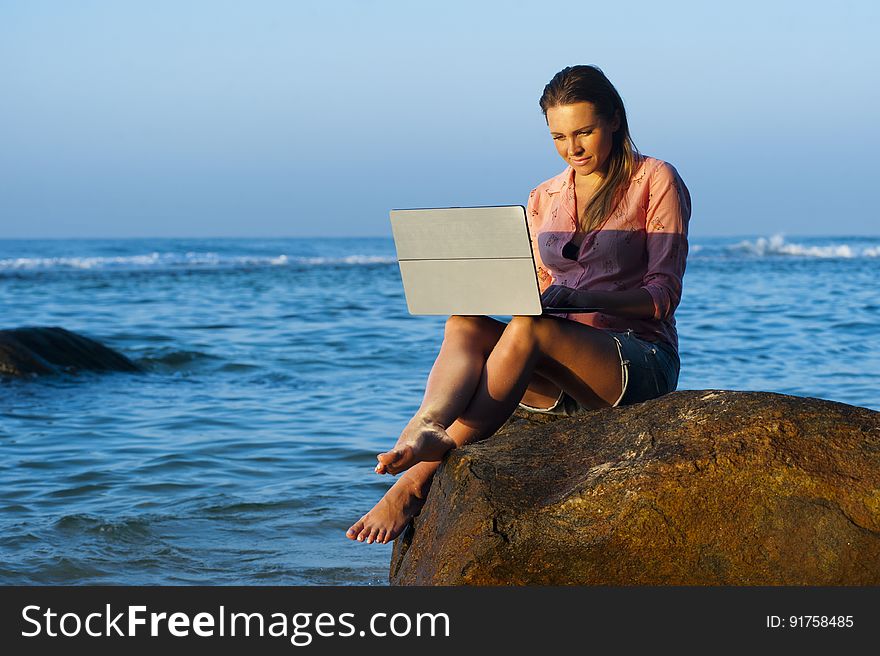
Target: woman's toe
<point>388,457</point>
<point>364,532</point>
<point>356,528</point>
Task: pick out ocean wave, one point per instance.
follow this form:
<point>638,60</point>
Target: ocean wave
<point>173,358</point>
<point>776,245</point>
<point>134,528</point>
<point>187,260</point>
<point>351,259</point>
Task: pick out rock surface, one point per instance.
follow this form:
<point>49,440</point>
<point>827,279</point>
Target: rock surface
<point>50,350</point>
<point>694,488</point>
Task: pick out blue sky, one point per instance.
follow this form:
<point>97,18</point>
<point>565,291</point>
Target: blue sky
<point>264,118</point>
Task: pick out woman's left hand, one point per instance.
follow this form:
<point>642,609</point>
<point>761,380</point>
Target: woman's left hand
<point>562,296</point>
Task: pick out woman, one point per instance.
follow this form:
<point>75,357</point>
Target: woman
<point>609,232</point>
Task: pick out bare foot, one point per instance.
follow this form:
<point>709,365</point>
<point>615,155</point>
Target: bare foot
<point>390,516</point>
<point>421,440</point>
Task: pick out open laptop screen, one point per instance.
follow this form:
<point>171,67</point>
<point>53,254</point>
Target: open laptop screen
<point>467,260</point>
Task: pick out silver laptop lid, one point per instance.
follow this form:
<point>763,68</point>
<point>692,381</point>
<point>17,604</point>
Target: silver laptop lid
<point>466,260</point>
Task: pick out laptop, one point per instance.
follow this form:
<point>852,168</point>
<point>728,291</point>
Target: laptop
<point>469,260</point>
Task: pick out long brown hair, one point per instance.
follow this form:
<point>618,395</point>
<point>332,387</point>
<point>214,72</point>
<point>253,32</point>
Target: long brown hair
<point>575,84</point>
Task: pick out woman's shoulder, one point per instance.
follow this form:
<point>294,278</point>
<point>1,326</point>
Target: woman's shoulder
<point>659,176</point>
<point>655,170</point>
<point>648,165</point>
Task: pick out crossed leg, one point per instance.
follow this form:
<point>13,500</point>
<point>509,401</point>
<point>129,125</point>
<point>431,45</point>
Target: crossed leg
<point>484,368</point>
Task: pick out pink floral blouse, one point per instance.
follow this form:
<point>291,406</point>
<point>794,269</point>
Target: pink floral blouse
<point>643,243</point>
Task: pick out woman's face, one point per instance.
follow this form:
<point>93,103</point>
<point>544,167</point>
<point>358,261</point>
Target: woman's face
<point>582,137</point>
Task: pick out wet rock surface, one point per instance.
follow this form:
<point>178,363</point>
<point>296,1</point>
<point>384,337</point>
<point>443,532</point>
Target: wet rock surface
<point>705,487</point>
<point>37,350</point>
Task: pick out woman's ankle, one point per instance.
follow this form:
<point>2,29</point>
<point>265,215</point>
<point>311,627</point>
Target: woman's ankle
<point>417,479</point>
<point>428,417</point>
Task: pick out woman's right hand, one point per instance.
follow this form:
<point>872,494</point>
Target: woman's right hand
<point>562,296</point>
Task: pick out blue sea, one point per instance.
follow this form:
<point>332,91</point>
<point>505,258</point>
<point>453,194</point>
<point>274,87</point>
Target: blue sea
<point>275,370</point>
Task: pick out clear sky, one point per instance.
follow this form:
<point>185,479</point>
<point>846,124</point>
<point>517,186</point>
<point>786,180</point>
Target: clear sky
<point>269,118</point>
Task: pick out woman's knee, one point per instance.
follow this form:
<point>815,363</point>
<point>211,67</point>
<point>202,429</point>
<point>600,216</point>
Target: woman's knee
<point>458,323</point>
<point>533,328</point>
<point>473,328</point>
<point>522,337</point>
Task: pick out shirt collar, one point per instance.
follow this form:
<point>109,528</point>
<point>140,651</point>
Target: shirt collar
<point>561,181</point>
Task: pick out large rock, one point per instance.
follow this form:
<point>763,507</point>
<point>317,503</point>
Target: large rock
<point>694,488</point>
<point>49,350</point>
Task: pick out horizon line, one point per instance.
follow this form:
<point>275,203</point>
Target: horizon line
<point>389,236</point>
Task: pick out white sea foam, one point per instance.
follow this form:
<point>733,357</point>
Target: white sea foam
<point>776,245</point>
<point>351,259</point>
<point>186,260</point>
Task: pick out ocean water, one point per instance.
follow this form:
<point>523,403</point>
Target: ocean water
<point>275,370</point>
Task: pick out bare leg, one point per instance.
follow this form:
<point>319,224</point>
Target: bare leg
<point>403,500</point>
<point>578,358</point>
<point>476,362</point>
<point>467,343</point>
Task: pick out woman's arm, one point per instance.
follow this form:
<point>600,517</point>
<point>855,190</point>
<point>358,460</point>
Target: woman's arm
<point>632,303</point>
<point>666,231</point>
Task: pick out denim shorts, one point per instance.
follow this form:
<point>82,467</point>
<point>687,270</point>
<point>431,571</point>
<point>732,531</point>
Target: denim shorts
<point>649,370</point>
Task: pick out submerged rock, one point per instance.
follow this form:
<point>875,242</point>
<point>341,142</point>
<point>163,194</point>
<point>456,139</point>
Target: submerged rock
<point>694,488</point>
<point>50,350</point>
